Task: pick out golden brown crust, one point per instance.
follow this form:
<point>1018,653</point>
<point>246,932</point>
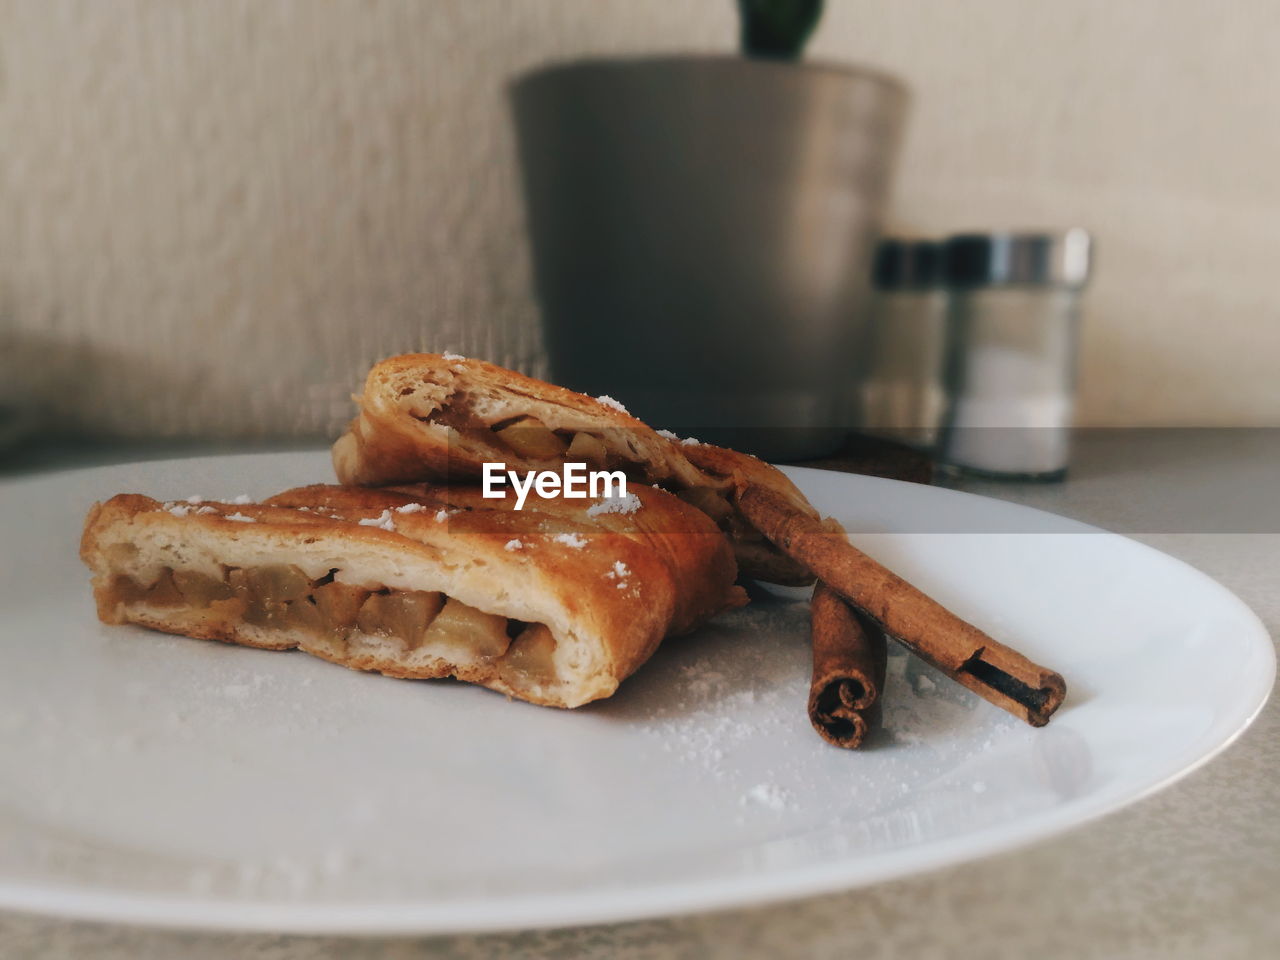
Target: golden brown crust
<point>428,417</point>
<point>679,569</point>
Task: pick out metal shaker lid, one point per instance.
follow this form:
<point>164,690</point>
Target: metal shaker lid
<point>1060,259</point>
<point>907,264</point>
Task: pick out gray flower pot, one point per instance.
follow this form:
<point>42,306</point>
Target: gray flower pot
<point>702,232</point>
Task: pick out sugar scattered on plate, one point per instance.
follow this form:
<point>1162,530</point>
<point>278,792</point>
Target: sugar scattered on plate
<point>768,795</point>
<point>923,684</point>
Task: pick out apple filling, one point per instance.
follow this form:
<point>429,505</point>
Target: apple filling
<point>530,438</point>
<point>335,614</point>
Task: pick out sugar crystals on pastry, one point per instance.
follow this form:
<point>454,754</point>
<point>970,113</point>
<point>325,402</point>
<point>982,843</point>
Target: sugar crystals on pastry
<point>438,417</point>
<point>554,604</point>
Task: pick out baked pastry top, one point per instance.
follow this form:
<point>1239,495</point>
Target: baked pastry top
<point>427,416</point>
<point>555,604</point>
<point>436,417</point>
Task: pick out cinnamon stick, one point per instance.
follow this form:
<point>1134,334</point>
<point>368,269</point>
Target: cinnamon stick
<point>849,657</point>
<point>959,649</point>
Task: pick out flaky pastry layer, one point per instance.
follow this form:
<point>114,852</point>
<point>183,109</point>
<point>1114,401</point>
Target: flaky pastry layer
<point>433,417</point>
<point>555,604</point>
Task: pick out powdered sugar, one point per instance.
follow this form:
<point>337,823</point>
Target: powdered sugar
<point>728,707</point>
<point>442,515</point>
<point>768,795</point>
<point>512,545</point>
<point>182,508</point>
<point>411,508</point>
<point>608,401</point>
<point>383,522</point>
<point>628,504</point>
<point>570,540</point>
<point>619,572</point>
<point>686,442</point>
<point>923,684</point>
<point>452,356</point>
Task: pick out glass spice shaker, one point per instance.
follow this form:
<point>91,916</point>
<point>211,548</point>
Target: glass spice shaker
<point>1011,355</point>
<point>902,396</point>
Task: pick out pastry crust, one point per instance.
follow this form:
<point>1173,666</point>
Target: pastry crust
<point>753,550</point>
<point>608,587</point>
<point>432,417</point>
<point>427,416</point>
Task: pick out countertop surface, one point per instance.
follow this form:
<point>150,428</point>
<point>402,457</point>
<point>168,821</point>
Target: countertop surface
<point>1192,872</point>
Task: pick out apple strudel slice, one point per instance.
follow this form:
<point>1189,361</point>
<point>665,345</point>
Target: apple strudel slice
<point>555,604</point>
<point>437,417</point>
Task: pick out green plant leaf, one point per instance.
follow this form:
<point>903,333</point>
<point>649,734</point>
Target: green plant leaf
<point>777,29</point>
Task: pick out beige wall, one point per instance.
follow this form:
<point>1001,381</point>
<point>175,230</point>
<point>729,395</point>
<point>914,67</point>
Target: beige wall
<point>217,213</point>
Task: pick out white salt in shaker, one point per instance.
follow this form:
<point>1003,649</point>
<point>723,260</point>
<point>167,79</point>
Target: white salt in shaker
<point>1011,358</point>
<point>902,396</point>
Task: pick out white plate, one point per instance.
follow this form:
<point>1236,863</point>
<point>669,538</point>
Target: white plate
<point>159,780</point>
